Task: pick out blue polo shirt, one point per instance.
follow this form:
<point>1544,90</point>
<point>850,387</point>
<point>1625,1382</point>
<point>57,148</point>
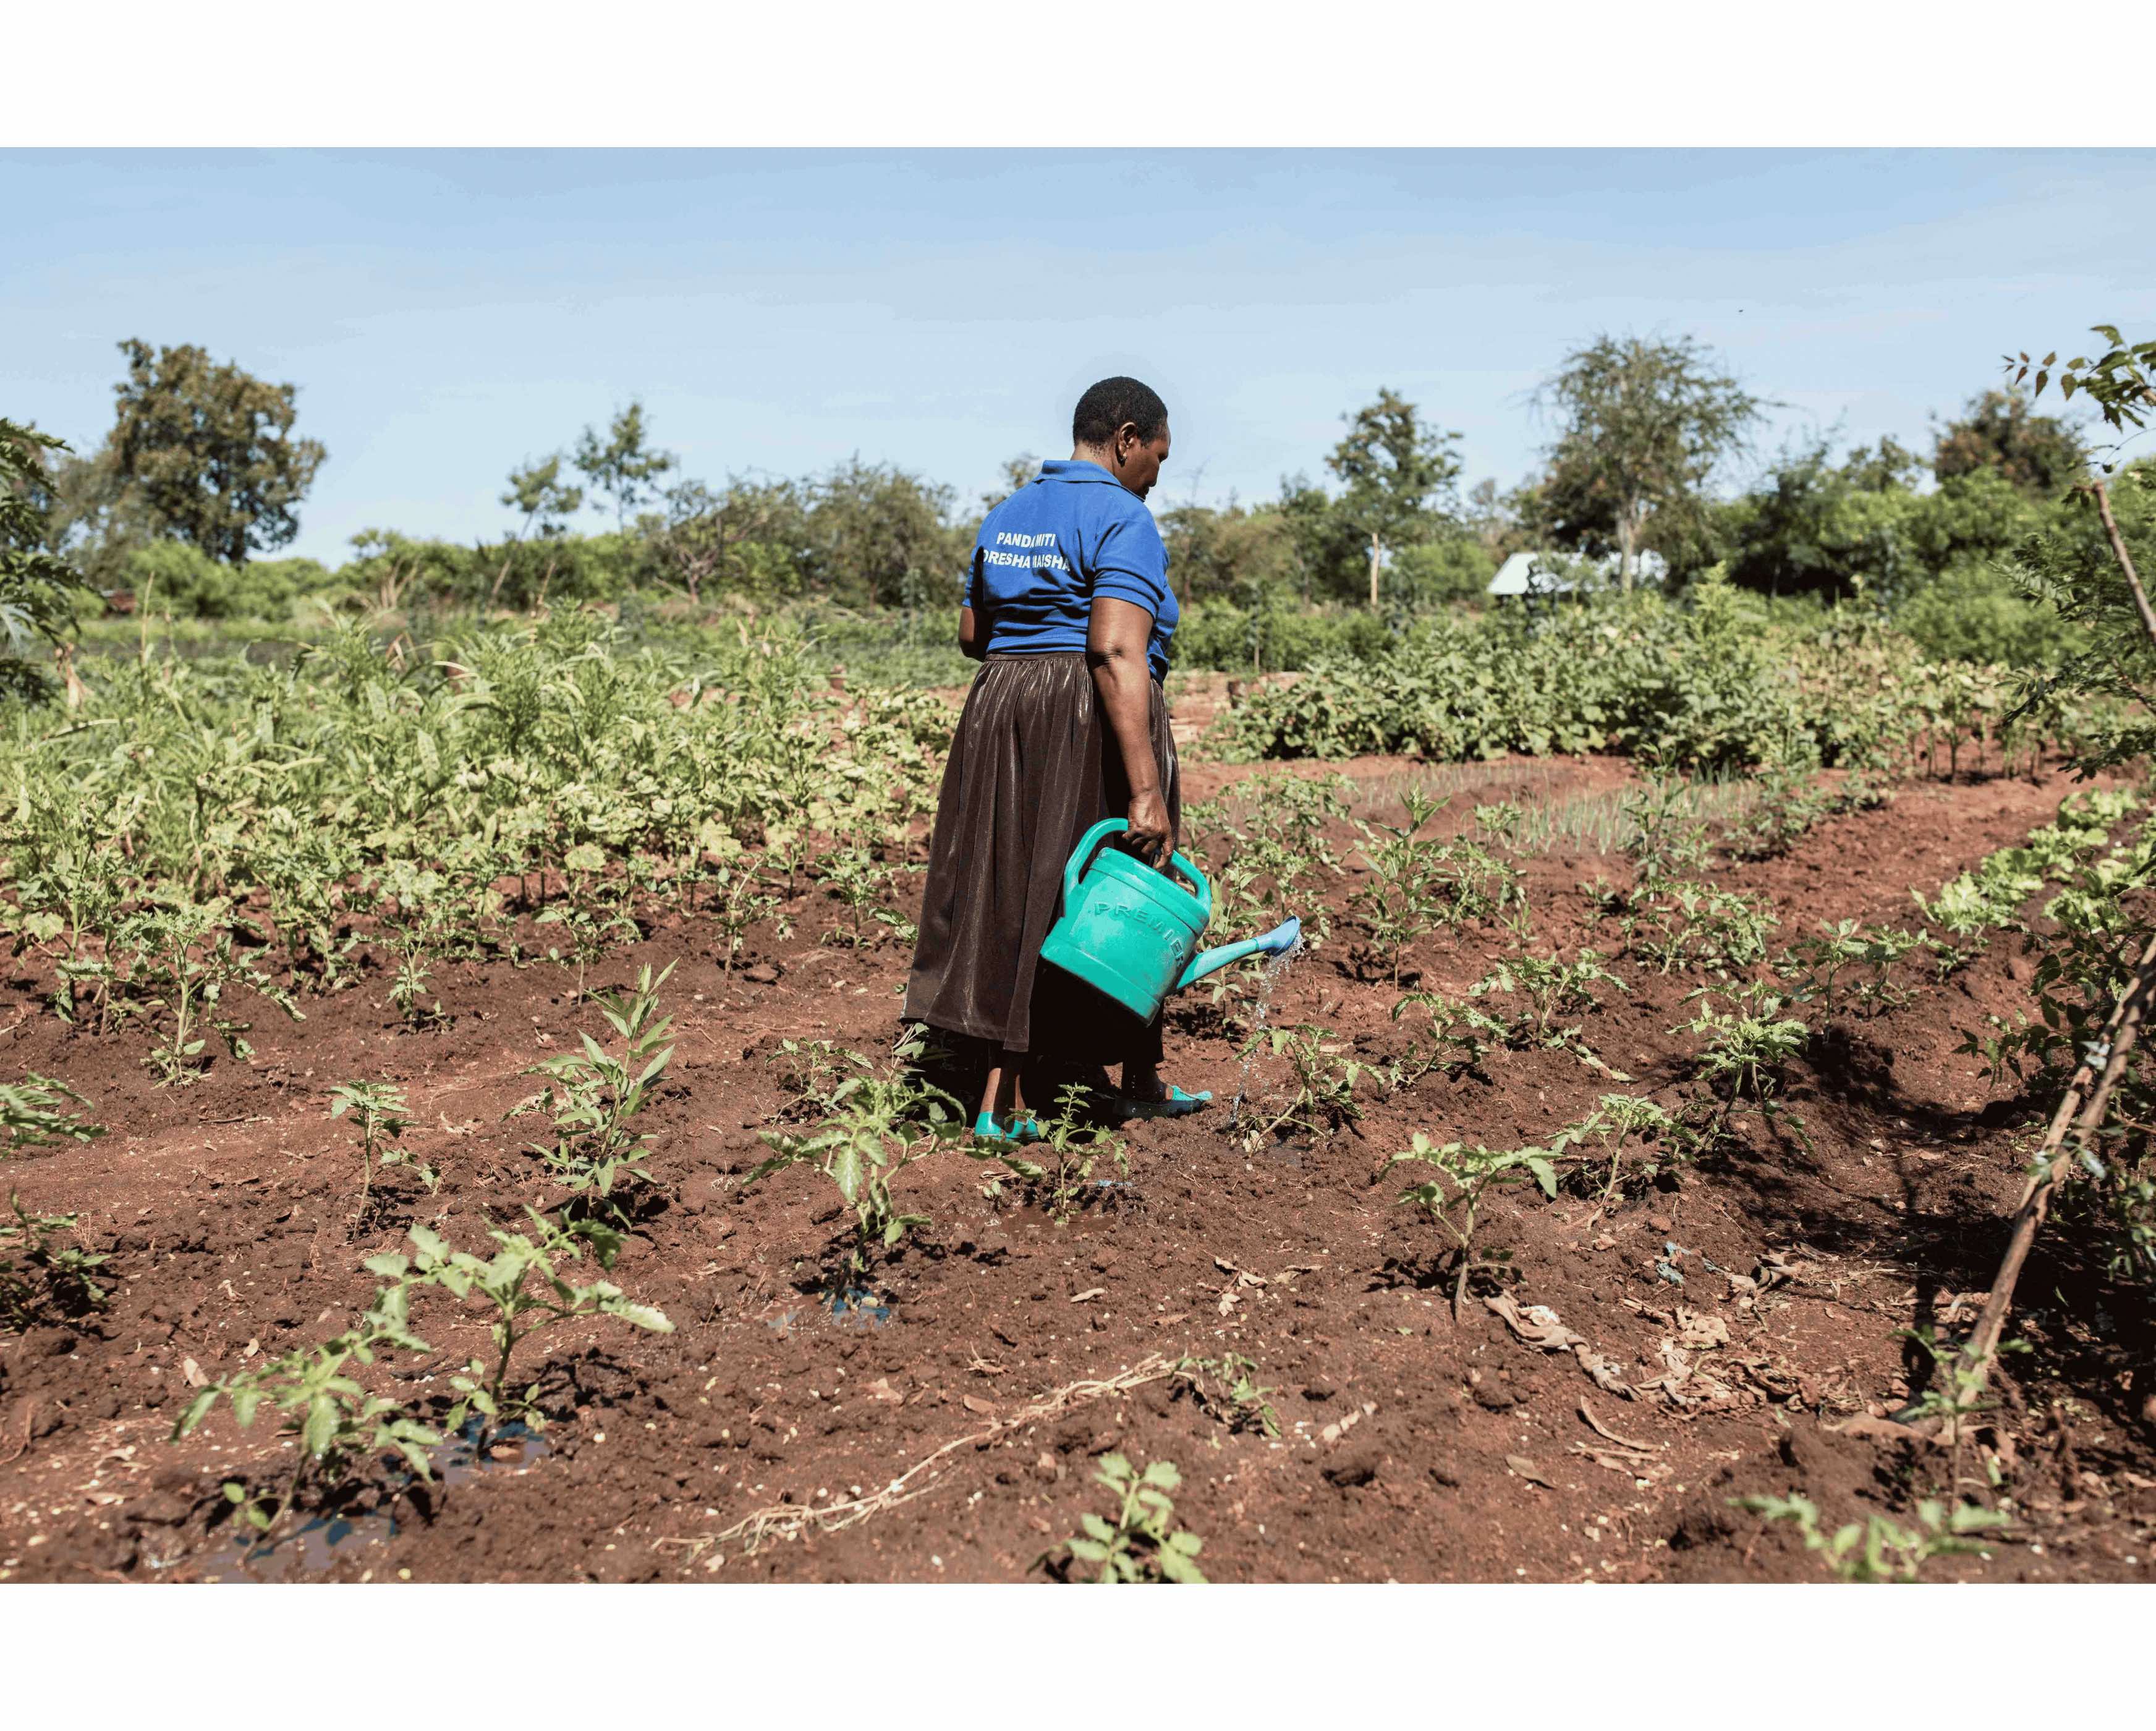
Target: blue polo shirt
<point>1073,534</point>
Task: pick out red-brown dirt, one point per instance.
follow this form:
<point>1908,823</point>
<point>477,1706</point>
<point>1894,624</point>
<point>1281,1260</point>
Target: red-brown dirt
<point>1412,1448</point>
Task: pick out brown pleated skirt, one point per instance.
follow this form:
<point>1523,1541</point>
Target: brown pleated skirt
<point>1032,766</point>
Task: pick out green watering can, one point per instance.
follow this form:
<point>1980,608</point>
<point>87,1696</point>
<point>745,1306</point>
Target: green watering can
<point>1127,930</point>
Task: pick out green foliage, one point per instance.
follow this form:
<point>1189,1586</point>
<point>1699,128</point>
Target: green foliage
<point>1453,1198</point>
<point>382,1115</point>
<point>2001,433</point>
<point>1227,1388</point>
<point>1716,682</point>
<point>1416,883</point>
<point>209,448</point>
<point>37,586</point>
<point>877,1122</point>
<point>1642,427</point>
<point>328,1414</point>
<point>1059,1168</point>
<point>1636,1138</point>
<point>40,1276</point>
<point>595,1094</point>
<point>1322,1083</point>
<point>173,958</point>
<point>1140,1540</point>
<point>33,1113</point>
<point>1878,1548</point>
<point>523,1291</point>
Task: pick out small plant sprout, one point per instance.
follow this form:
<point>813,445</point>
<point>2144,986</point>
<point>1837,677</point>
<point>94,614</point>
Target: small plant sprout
<point>40,1276</point>
<point>382,1116</point>
<point>876,1126</point>
<point>1879,1549</point>
<point>1065,1157</point>
<point>523,1288</point>
<point>334,1422</point>
<point>1620,1119</point>
<point>1141,1541</point>
<point>1227,1388</point>
<point>597,1094</point>
<point>1453,1199</point>
<point>1743,1055</point>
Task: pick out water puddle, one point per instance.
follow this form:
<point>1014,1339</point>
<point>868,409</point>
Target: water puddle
<point>315,1545</point>
<point>849,1306</point>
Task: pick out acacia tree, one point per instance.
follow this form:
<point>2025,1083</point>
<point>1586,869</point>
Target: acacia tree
<point>624,465</point>
<point>547,503</point>
<point>1643,425</point>
<point>35,583</point>
<point>208,449</point>
<point>1399,475</point>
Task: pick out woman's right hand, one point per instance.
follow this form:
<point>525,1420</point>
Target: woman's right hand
<point>1148,834</point>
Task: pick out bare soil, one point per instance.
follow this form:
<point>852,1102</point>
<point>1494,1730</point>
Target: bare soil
<point>1413,1447</point>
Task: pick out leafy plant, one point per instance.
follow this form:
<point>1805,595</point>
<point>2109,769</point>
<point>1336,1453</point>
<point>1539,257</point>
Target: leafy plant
<point>1743,1055</point>
<point>878,1122</point>
<point>181,950</point>
<point>1140,1541</point>
<point>1879,1549</point>
<point>1227,1387</point>
<point>332,1420</point>
<point>1322,1097</point>
<point>40,1276</point>
<point>34,1112</point>
<point>382,1115</point>
<point>1453,1199</point>
<point>1552,987</point>
<point>1621,1119</point>
<point>523,1289</point>
<point>596,1094</point>
<point>1059,1168</point>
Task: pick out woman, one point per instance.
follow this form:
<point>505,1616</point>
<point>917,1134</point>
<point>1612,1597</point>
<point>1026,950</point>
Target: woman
<point>1069,611</point>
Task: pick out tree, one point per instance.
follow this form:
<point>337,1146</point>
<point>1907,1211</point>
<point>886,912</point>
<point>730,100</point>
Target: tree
<point>1399,476</point>
<point>2000,430</point>
<point>1018,471</point>
<point>209,450</point>
<point>36,584</point>
<point>538,491</point>
<point>879,536</point>
<point>1643,426</point>
<point>624,468</point>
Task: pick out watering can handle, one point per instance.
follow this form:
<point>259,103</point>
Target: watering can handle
<point>1090,844</point>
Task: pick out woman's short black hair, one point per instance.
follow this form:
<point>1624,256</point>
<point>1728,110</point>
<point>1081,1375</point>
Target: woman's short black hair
<point>1115,402</point>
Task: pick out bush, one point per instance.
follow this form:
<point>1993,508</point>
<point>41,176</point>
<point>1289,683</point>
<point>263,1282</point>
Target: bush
<point>1218,637</point>
<point>1977,613</point>
<point>176,576</point>
<point>1714,683</point>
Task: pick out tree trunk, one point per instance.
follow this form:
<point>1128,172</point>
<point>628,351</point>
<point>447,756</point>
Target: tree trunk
<point>1625,534</point>
<point>1376,548</point>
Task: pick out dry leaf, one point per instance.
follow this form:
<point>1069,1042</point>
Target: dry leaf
<point>1091,1292</point>
<point>250,1349</point>
<point>193,1372</point>
<point>881,1389</point>
<point>986,1409</point>
<point>1528,1471</point>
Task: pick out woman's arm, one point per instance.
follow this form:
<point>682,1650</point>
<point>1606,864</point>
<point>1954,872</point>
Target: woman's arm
<point>969,636</point>
<point>1116,643</point>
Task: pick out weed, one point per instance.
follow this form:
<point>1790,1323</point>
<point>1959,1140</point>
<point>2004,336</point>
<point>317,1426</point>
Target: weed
<point>1141,1541</point>
<point>596,1094</point>
<point>1879,1549</point>
<point>1453,1198</point>
<point>523,1286</point>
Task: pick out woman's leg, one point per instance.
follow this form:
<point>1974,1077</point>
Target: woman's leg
<point>1005,1089</point>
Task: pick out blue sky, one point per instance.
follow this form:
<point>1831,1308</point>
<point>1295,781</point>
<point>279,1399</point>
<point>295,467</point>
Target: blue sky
<point>447,315</point>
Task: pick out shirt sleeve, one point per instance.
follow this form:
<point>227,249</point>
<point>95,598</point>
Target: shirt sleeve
<point>1131,563</point>
<point>973,582</point>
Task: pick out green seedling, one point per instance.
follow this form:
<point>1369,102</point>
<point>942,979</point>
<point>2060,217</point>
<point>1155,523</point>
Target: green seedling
<point>1227,1388</point>
<point>876,1126</point>
<point>1059,1168</point>
<point>34,1112</point>
<point>1878,1549</point>
<point>1141,1541</point>
<point>1323,1082</point>
<point>596,1094</point>
<point>1453,1199</point>
<point>1551,987</point>
<point>41,1276</point>
<point>382,1115</point>
<point>333,1421</point>
<point>180,959</point>
<point>524,1291</point>
<point>1619,1120</point>
<point>1743,1058</point>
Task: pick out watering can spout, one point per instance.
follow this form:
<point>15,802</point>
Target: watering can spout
<point>1282,938</point>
